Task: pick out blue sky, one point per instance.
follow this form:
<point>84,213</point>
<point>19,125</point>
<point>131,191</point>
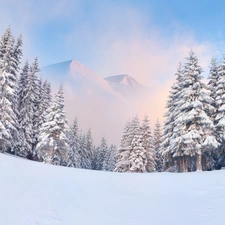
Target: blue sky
<point>145,38</point>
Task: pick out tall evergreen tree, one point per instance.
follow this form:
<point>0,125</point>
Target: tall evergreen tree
<point>213,79</point>
<point>122,164</point>
<point>110,159</point>
<point>138,155</point>
<point>90,148</point>
<point>34,69</point>
<point>171,114</point>
<point>53,144</point>
<point>25,109</point>
<point>212,85</point>
<point>157,143</point>
<point>9,61</point>
<point>101,154</point>
<point>148,145</point>
<point>46,97</point>
<point>73,137</point>
<point>193,136</point>
<point>132,157</point>
<point>220,111</point>
<point>84,155</point>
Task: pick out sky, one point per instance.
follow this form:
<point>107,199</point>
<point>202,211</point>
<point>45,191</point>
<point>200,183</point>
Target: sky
<point>139,37</point>
<point>143,38</point>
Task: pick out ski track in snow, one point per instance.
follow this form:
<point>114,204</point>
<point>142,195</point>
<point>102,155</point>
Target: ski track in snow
<point>37,194</point>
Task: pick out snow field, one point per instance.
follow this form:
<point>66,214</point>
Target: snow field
<point>40,194</point>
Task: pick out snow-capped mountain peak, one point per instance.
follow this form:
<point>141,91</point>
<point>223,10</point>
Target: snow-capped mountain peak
<point>127,86</point>
<point>123,79</point>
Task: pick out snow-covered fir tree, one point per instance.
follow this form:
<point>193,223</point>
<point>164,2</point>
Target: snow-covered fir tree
<point>46,98</point>
<point>34,69</point>
<point>25,108</point>
<point>212,85</point>
<point>132,157</point>
<point>15,69</point>
<point>138,155</point>
<point>84,154</point>
<point>110,159</point>
<point>90,149</point>
<point>10,54</point>
<point>122,154</point>
<point>220,111</point>
<point>30,115</point>
<point>148,145</point>
<point>101,154</point>
<point>53,144</point>
<point>213,79</point>
<point>171,114</point>
<point>157,145</point>
<point>73,137</point>
<point>193,134</point>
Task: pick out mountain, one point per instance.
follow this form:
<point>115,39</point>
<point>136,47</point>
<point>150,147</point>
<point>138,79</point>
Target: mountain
<point>127,86</point>
<point>105,105</point>
<point>35,193</point>
<point>83,80</point>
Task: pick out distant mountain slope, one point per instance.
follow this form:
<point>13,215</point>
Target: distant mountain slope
<point>127,86</point>
<point>123,79</point>
<point>34,193</point>
<point>81,78</point>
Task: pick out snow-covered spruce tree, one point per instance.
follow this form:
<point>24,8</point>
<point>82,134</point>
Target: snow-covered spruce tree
<point>53,144</point>
<point>46,98</point>
<point>90,149</point>
<point>16,55</point>
<point>29,108</point>
<point>213,85</point>
<point>171,114</point>
<point>220,112</point>
<point>193,136</point>
<point>41,106</point>
<point>84,155</point>
<point>34,69</point>
<point>157,145</point>
<point>110,159</point>
<point>132,157</point>
<point>101,154</point>
<point>73,137</point>
<point>138,155</point>
<point>148,145</point>
<point>9,66</point>
<point>25,109</point>
<point>213,79</point>
<point>122,154</point>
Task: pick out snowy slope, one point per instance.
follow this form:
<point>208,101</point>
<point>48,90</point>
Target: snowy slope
<point>127,86</point>
<point>37,194</point>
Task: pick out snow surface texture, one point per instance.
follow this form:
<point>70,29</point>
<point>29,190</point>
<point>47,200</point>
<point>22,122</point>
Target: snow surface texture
<point>37,194</point>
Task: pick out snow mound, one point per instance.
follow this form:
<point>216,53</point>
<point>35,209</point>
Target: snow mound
<point>39,194</point>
